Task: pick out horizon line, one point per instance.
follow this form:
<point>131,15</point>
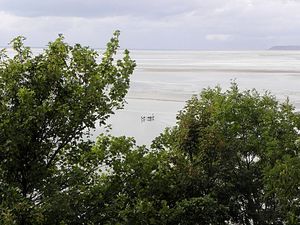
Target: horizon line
<point>170,49</point>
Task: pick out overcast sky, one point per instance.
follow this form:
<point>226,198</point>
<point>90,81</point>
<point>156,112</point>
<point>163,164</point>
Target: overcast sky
<point>155,24</point>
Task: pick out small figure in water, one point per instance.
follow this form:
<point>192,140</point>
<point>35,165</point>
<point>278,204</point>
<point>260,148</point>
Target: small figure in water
<point>149,118</point>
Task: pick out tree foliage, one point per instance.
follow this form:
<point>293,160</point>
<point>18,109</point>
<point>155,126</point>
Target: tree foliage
<point>232,158</point>
<point>48,102</point>
<point>241,149</point>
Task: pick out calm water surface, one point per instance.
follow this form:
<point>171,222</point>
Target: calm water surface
<point>164,80</point>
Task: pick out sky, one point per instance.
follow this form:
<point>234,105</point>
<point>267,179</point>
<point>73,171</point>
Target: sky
<point>154,24</point>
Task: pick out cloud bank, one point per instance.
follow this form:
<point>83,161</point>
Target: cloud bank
<point>145,24</point>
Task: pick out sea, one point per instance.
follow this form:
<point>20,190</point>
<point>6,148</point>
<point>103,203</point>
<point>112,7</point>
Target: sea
<point>164,80</point>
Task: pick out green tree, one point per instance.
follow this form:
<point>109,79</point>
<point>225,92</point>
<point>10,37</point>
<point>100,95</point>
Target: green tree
<point>48,103</point>
<point>230,146</point>
<point>283,181</point>
<point>139,186</point>
<point>231,159</point>
<point>132,183</point>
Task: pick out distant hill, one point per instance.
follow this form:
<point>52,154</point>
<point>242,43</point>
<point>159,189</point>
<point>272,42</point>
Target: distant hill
<point>285,47</point>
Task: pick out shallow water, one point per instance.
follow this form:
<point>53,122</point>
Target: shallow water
<point>164,80</point>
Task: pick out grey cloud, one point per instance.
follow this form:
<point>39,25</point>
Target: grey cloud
<point>95,8</point>
<point>156,24</point>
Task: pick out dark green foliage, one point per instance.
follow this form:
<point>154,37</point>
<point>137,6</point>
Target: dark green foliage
<point>139,186</point>
<point>48,103</point>
<point>232,158</point>
<point>240,149</point>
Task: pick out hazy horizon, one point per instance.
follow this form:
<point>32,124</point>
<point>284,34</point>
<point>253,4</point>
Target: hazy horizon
<point>174,49</point>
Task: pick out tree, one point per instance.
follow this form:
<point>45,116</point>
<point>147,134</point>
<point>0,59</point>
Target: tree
<point>48,102</point>
<point>230,146</point>
<point>138,186</point>
<point>232,158</point>
<point>283,181</point>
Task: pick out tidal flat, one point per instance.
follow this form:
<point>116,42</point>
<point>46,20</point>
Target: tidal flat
<point>164,80</point>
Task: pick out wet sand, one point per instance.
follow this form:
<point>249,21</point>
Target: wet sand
<point>164,80</point>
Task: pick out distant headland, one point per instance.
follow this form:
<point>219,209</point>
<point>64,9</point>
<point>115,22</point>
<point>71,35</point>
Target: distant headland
<point>285,47</point>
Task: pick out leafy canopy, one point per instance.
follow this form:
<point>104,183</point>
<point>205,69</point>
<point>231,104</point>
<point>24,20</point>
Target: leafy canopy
<point>232,158</point>
<point>48,102</point>
<point>241,149</point>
